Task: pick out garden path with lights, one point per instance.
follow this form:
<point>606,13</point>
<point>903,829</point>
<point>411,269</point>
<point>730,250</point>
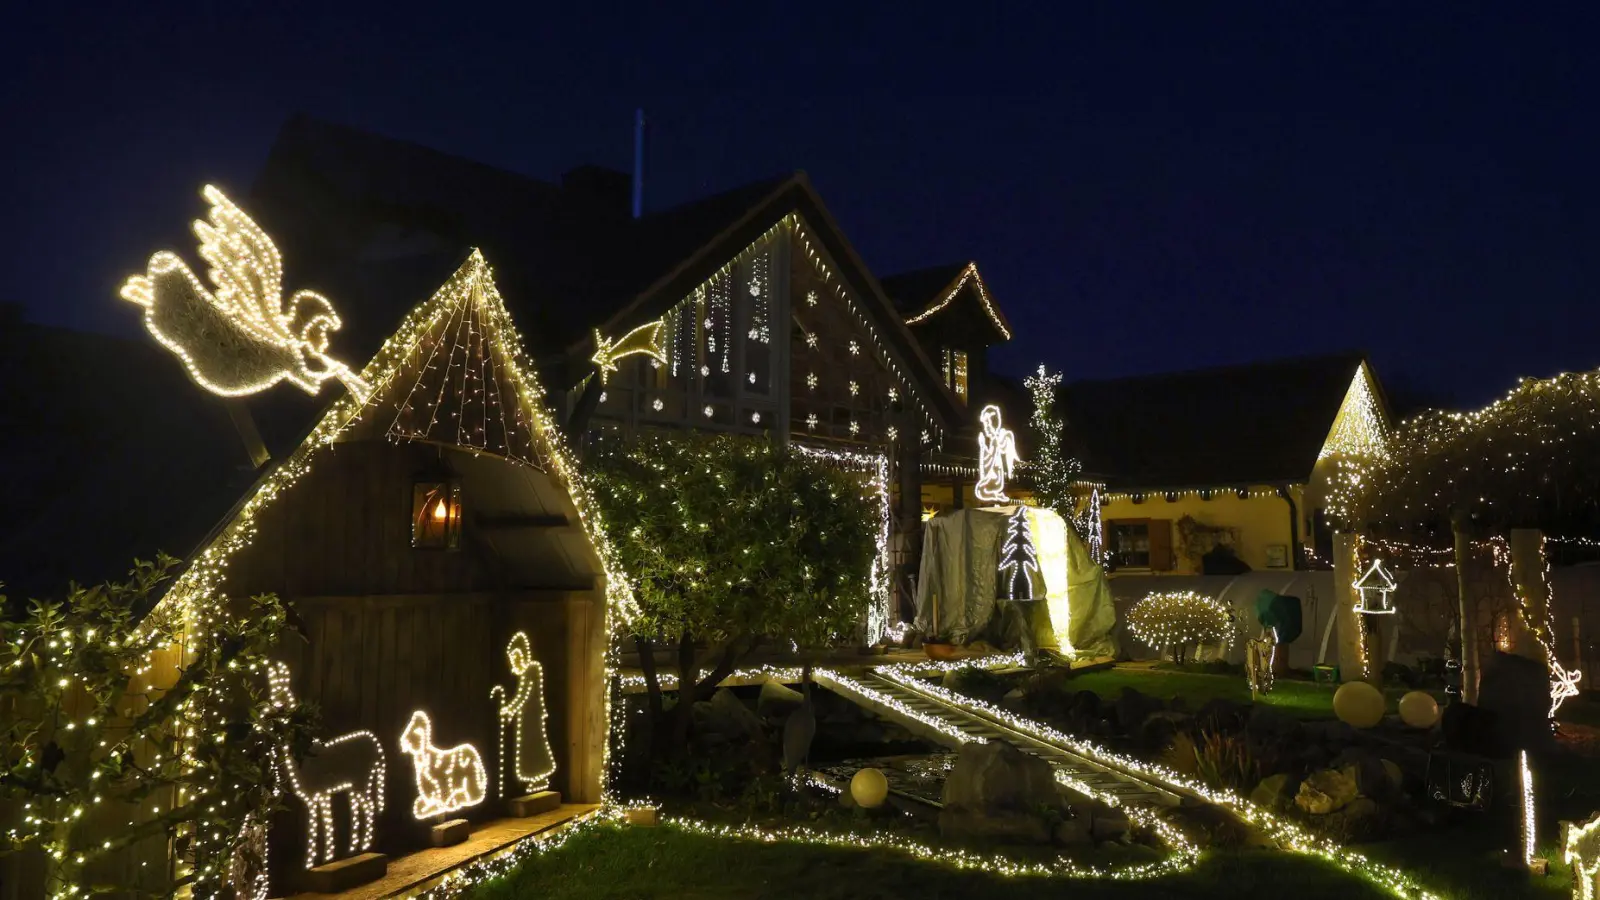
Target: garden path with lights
<point>862,859</point>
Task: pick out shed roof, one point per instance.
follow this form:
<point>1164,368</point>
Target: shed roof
<point>1257,423</point>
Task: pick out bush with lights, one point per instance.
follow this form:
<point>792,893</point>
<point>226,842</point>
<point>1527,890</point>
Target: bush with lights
<point>731,541</point>
<point>1174,621</point>
<point>120,734</point>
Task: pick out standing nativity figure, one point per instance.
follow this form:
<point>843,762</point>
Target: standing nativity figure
<point>997,454</point>
<point>523,715</point>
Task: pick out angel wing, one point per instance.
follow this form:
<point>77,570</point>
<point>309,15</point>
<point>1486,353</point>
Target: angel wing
<point>245,268</point>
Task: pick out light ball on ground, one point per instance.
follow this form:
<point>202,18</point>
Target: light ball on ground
<point>1419,710</point>
<point>869,788</point>
<point>1358,704</point>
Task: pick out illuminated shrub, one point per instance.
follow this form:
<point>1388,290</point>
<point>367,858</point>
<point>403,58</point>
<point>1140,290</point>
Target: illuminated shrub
<point>1174,621</point>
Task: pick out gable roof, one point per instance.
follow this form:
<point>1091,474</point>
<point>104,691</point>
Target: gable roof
<point>922,294</point>
<point>470,291</point>
<point>1258,423</point>
<point>368,219</point>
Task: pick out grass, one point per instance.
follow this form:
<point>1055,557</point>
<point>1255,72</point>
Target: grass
<point>1294,697</point>
<point>641,863</point>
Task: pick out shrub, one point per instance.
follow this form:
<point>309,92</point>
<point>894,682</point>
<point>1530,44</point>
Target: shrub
<point>1175,620</point>
<point>1220,760</point>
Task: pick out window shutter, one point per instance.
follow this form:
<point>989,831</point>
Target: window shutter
<point>1161,545</point>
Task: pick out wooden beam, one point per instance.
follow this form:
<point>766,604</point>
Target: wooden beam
<point>506,522</point>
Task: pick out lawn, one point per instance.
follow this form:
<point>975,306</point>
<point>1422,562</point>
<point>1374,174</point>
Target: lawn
<point>632,862</point>
<point>1294,697</point>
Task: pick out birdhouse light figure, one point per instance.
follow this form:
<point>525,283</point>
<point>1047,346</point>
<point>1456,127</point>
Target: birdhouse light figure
<point>1375,587</point>
<point>436,515</point>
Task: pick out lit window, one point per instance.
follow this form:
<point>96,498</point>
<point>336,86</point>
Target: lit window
<point>436,515</point>
<point>955,372</point>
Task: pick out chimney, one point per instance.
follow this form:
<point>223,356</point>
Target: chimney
<point>638,162</point>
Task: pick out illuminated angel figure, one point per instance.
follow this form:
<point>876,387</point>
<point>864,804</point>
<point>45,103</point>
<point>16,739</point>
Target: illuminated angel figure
<point>997,454</point>
<point>523,715</point>
<point>239,338</point>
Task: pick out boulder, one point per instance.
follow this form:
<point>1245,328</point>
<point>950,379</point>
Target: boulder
<point>1396,776</point>
<point>1270,725</point>
<point>1160,728</point>
<point>1014,700</point>
<point>1132,708</point>
<point>777,700</point>
<point>996,791</point>
<point>1362,819</point>
<point>1327,790</point>
<point>1275,792</point>
<point>1086,703</point>
<point>1516,691</point>
<point>1372,779</point>
<point>726,715</point>
<point>1109,824</point>
<point>1075,830</point>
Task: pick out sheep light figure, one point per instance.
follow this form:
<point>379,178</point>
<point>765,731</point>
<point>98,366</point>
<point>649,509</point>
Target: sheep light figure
<point>447,779</point>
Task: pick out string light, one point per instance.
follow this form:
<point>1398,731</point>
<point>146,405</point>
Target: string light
<point>644,340</point>
<point>1581,850</point>
<point>1376,580</point>
<point>1175,619</point>
<point>1017,560</point>
<point>1529,837</point>
<point>351,764</point>
<point>533,761</point>
<point>238,340</point>
<point>997,455</point>
<point>970,273</point>
<point>447,779</point>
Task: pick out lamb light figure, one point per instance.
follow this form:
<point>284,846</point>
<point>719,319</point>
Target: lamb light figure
<point>447,780</point>
<point>350,764</point>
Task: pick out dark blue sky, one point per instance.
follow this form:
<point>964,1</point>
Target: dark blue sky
<point>1145,187</point>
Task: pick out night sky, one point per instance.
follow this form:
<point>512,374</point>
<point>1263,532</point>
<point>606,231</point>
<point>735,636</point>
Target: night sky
<point>1145,187</point>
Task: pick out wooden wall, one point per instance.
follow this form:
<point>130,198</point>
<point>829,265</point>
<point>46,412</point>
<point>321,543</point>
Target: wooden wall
<point>344,529</point>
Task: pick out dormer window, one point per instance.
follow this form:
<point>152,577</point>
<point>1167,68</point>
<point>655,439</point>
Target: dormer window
<point>955,372</point>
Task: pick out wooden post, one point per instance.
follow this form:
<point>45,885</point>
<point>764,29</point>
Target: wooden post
<point>1377,658</point>
<point>1527,574</point>
<point>1467,617</point>
<point>908,521</point>
<point>1347,621</point>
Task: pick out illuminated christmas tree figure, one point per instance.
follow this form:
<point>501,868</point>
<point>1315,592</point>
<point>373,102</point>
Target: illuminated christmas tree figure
<point>1018,564</point>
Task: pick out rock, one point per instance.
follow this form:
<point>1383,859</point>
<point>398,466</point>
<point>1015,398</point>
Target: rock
<point>777,700</point>
<point>1326,790</point>
<point>1329,732</point>
<point>1275,792</point>
<point>1013,700</point>
<point>1516,691</point>
<point>725,715</point>
<point>1110,824</point>
<point>1371,778</point>
<point>1132,708</point>
<point>1075,830</point>
<point>1086,703</point>
<point>1160,728</point>
<point>1359,820</point>
<point>1396,775</point>
<point>996,791</point>
<point>1178,704</point>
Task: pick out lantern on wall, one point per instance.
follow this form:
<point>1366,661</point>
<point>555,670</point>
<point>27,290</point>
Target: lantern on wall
<point>436,513</point>
<point>1375,588</point>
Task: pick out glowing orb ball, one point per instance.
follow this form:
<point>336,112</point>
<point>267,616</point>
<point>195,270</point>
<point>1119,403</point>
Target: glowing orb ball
<point>869,788</point>
<point>1419,709</point>
<point>1358,704</point>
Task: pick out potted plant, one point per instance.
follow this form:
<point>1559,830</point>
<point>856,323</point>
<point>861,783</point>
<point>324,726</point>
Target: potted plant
<point>939,646</point>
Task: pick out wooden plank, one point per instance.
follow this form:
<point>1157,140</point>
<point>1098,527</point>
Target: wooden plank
<point>325,659</point>
<point>388,700</point>
<point>371,665</point>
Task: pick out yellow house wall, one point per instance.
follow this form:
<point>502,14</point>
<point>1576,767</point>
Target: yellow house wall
<point>1261,519</point>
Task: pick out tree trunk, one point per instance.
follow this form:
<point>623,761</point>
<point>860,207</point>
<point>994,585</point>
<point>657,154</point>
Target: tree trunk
<point>1466,613</point>
<point>1533,594</point>
<point>688,692</point>
<point>1351,647</point>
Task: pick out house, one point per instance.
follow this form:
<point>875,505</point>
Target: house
<point>1221,470</point>
<point>770,323</point>
<point>418,525</point>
